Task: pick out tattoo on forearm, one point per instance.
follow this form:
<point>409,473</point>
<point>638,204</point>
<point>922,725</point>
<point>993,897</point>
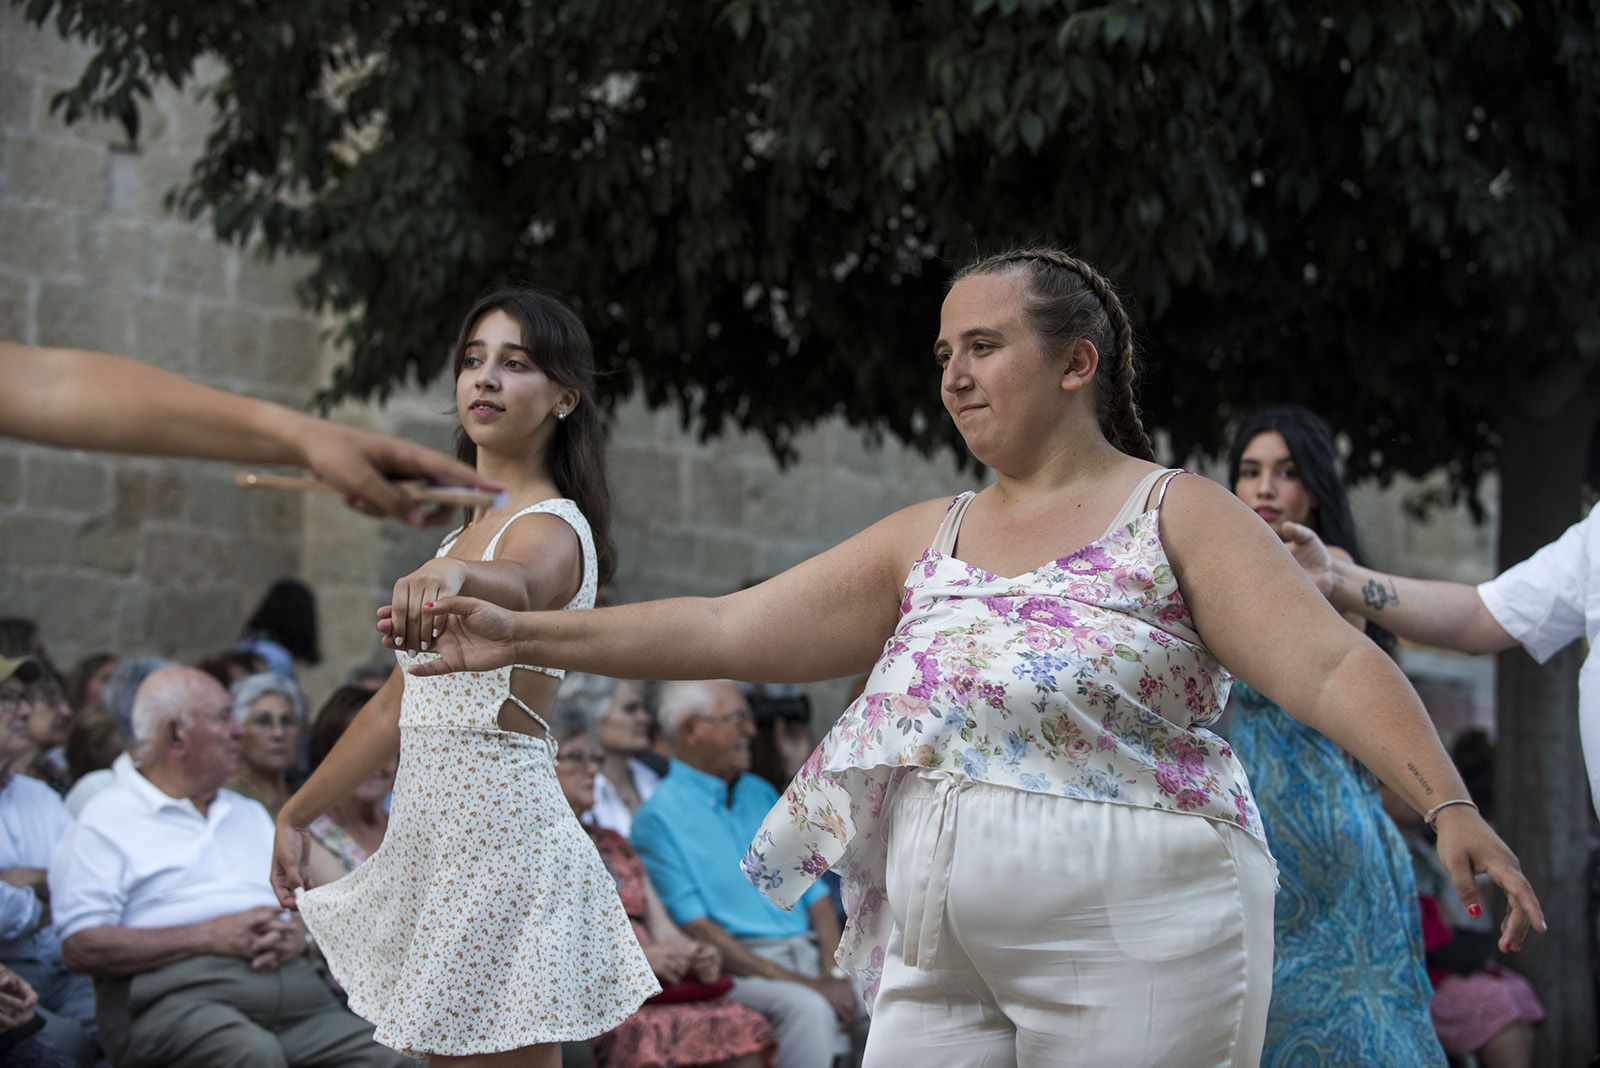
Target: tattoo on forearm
<point>1427,790</point>
<point>1378,596</point>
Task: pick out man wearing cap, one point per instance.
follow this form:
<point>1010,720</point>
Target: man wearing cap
<point>32,822</point>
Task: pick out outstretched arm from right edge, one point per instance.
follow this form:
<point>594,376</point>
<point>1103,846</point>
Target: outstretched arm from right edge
<point>371,740</point>
<point>1449,615</point>
<point>825,618</point>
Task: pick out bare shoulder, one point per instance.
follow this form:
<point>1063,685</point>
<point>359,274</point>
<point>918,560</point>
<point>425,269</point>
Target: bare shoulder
<point>906,534</point>
<point>539,536</point>
<point>1199,515</point>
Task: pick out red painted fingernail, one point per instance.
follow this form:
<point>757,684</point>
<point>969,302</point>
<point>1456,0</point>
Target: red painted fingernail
<point>427,604</point>
<point>1474,910</point>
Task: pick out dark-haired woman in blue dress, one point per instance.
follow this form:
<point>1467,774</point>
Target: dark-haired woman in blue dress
<point>1348,981</point>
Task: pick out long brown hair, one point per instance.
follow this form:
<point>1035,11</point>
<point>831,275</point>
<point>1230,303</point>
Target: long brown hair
<point>560,345</point>
<point>1067,300</point>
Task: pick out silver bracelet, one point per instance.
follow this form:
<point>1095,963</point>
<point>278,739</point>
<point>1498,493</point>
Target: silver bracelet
<point>1433,813</point>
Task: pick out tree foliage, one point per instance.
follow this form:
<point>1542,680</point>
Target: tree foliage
<point>1384,211</point>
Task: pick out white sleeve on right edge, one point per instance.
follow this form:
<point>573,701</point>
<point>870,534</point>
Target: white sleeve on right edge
<point>1540,601</point>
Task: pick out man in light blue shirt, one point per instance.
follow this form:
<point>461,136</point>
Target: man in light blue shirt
<point>692,834</point>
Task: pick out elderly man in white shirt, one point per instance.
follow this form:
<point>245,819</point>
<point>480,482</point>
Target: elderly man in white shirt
<point>32,823</point>
<point>1543,604</point>
<point>160,893</point>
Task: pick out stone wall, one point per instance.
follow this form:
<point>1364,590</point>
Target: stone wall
<point>163,556</point>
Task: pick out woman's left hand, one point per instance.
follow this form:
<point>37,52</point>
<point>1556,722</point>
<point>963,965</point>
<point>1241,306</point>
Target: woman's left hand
<point>1468,845</point>
<point>412,626</point>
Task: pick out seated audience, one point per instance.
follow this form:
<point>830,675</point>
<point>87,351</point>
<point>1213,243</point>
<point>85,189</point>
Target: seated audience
<point>271,711</point>
<point>691,836</point>
<point>93,741</point>
<point>160,894</point>
<point>87,681</point>
<point>352,829</point>
<point>32,822</point>
<point>615,713</point>
<point>20,1023</point>
<point>691,1021</point>
<point>48,716</point>
<point>1479,1006</point>
<point>121,689</point>
<point>233,666</point>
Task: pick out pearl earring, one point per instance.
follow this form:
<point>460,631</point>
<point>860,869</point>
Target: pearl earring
<point>561,415</point>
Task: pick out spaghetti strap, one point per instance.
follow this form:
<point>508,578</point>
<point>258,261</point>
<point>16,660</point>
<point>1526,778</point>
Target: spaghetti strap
<point>944,539</point>
<point>1168,482</point>
<point>548,737</point>
<point>1134,506</point>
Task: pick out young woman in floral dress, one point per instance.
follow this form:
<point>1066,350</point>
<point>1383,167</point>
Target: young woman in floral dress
<point>1043,847</point>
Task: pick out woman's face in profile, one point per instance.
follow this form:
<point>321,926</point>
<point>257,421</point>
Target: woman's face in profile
<point>1269,482</point>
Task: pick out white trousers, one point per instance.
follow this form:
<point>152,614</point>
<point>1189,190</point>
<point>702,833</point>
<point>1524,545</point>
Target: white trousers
<point>1036,931</point>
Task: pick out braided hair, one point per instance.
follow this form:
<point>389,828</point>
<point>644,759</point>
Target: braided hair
<point>1067,300</point>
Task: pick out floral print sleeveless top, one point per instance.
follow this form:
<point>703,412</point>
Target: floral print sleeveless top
<point>1082,678</point>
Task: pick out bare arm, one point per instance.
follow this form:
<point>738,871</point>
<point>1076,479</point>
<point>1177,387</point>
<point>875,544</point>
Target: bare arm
<point>736,959</point>
<point>89,400</point>
<point>1263,619</point>
<point>1449,615</point>
<point>825,924</point>
<point>256,935</point>
<point>371,740</point>
<point>822,619</point>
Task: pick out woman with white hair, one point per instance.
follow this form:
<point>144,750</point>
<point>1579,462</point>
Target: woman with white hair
<point>618,719</point>
<point>272,712</point>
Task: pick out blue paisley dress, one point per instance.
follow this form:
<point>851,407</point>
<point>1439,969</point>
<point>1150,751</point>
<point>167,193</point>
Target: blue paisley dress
<point>1348,982</point>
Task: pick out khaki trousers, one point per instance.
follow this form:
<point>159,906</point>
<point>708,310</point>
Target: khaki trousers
<point>214,1012</point>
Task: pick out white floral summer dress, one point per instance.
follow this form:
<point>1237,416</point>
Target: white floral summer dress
<point>486,921</point>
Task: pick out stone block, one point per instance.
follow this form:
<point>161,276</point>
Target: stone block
<point>846,505</point>
<point>853,450</point>
<point>191,622</point>
<point>783,505</point>
<point>117,252</point>
<point>101,133</point>
<point>139,496</point>
<point>65,483</point>
<point>64,173</point>
<point>276,514</point>
<point>294,348</point>
<point>88,317</point>
<point>10,479</point>
<point>75,617</point>
<point>191,559</point>
<point>190,260</point>
<point>15,316</point>
<point>18,99</point>
<point>726,561</point>
<point>106,545</point>
<point>647,482</point>
<point>159,174</point>
<point>40,541</point>
<point>231,342</point>
<point>37,239</point>
<point>270,284</point>
<point>717,493</point>
<point>167,332</point>
<point>214,504</point>
<point>125,178</point>
<point>27,49</point>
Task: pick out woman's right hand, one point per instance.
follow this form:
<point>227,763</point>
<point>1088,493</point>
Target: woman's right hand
<point>291,856</point>
<point>476,636</point>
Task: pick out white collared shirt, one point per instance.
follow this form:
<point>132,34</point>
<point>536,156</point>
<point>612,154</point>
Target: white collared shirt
<point>1548,601</point>
<point>609,811</point>
<point>138,857</point>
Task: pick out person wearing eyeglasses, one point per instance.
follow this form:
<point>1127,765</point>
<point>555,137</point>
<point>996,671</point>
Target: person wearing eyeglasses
<point>32,823</point>
<point>691,835</point>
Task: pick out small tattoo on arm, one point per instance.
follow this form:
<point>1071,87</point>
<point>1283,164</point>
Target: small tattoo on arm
<point>1427,790</point>
<point>1378,596</point>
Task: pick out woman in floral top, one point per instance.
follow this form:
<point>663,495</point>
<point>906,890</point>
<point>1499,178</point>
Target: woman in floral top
<point>1042,845</point>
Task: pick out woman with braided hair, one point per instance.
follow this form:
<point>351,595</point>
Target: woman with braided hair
<point>1048,858</point>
